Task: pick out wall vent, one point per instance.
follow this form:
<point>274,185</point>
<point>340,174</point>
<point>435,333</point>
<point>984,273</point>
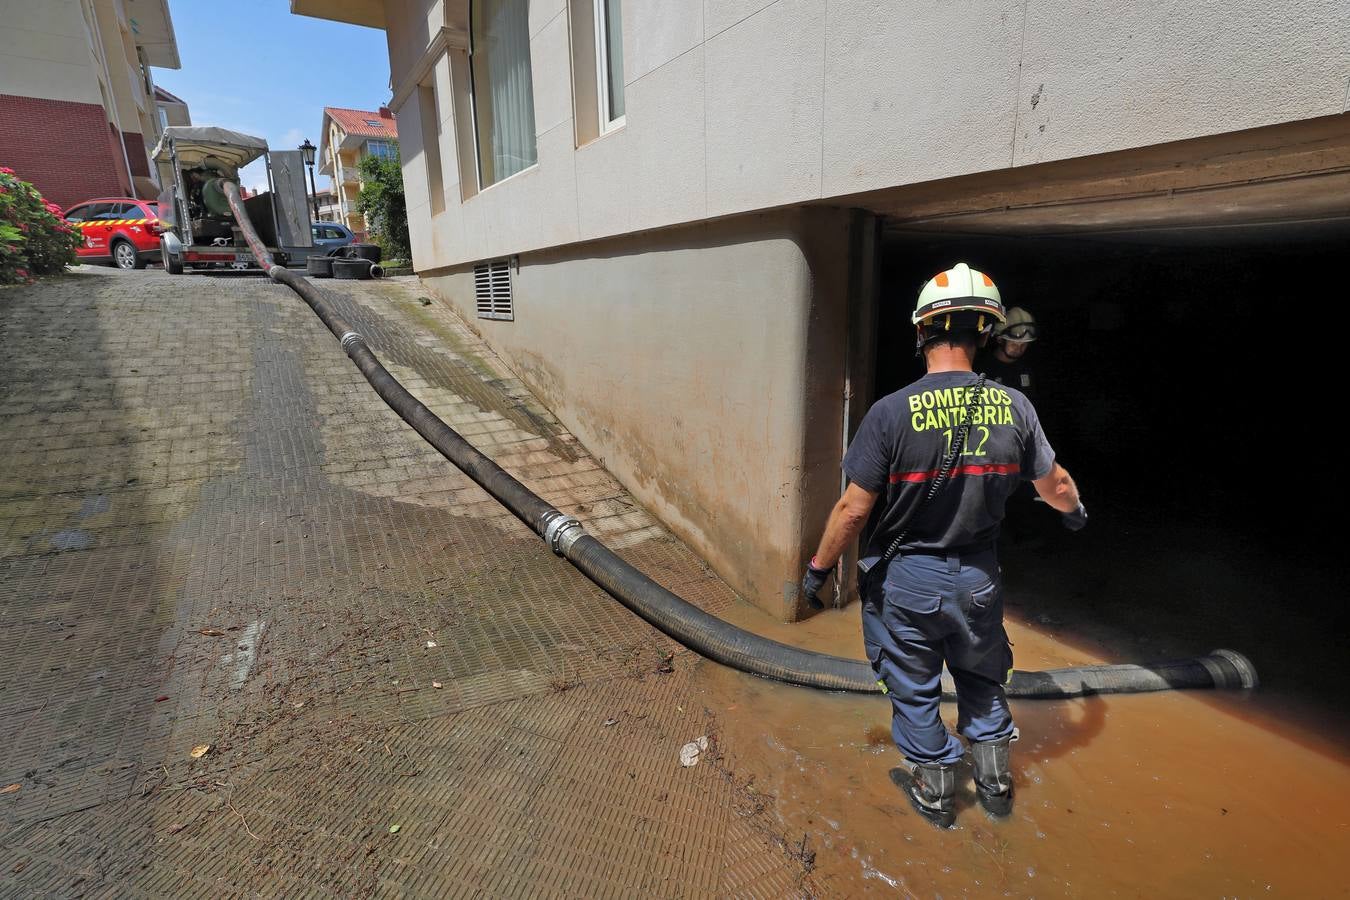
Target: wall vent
<point>492,290</point>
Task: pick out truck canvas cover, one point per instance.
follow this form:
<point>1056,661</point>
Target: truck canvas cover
<point>194,145</point>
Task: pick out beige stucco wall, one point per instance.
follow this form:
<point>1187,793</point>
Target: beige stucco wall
<point>46,51</point>
<point>122,68</point>
<point>680,353</point>
<point>678,360</point>
<point>740,105</point>
<point>64,49</point>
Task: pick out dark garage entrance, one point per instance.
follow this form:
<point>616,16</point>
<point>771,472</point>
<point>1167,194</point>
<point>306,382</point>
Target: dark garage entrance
<point>1188,378</point>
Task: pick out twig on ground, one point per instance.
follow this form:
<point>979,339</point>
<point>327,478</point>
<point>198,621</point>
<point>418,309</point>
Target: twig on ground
<point>34,715</point>
<point>245,821</point>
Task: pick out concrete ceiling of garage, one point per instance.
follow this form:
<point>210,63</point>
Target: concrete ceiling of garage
<point>1288,173</point>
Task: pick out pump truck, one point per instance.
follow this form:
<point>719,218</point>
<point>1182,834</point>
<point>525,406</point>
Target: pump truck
<point>198,229</point>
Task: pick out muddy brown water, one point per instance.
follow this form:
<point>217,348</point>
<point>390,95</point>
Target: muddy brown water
<point>1180,794</point>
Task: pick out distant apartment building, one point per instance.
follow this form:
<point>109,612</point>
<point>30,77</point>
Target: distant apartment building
<point>347,137</point>
<point>79,113</point>
<point>327,201</point>
<point>697,228</point>
<point>172,110</point>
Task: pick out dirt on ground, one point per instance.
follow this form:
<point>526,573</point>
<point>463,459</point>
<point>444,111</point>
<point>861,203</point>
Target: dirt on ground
<point>260,640</point>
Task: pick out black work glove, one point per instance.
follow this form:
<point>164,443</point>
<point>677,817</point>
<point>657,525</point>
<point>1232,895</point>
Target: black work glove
<point>812,582</point>
<point>1075,520</point>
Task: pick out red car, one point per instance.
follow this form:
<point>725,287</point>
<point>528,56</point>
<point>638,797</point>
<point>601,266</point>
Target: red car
<point>119,230</point>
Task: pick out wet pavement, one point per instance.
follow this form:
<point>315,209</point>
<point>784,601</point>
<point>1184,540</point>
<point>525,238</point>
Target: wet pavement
<point>212,532</point>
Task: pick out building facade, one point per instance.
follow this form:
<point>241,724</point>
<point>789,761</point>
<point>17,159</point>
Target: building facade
<point>78,110</point>
<point>327,201</point>
<point>348,136</point>
<point>712,217</point>
<point>172,110</point>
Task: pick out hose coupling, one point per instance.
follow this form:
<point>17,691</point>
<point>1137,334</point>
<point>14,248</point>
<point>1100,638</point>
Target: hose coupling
<point>1246,672</point>
<point>350,338</point>
<point>561,531</point>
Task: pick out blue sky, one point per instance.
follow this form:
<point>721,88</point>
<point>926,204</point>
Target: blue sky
<point>253,67</point>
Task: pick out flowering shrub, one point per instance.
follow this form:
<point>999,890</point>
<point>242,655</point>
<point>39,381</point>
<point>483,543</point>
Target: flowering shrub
<point>34,239</point>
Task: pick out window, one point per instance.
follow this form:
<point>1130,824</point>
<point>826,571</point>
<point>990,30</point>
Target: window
<point>373,123</point>
<point>597,67</point>
<point>79,213</point>
<point>503,95</point>
<point>108,211</point>
<point>382,149</point>
<point>492,290</point>
<point>609,62</point>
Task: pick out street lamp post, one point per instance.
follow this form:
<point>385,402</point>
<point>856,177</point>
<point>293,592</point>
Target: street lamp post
<point>307,149</point>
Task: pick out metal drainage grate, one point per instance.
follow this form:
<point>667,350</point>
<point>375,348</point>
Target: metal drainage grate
<point>492,290</point>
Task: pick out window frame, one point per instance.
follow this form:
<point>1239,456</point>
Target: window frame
<point>600,18</point>
<point>386,148</point>
<point>473,108</point>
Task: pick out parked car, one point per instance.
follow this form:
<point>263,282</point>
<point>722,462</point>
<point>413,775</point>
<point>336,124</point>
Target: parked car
<point>328,235</point>
<point>117,230</point>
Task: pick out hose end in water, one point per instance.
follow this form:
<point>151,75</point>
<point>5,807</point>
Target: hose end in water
<point>1246,677</point>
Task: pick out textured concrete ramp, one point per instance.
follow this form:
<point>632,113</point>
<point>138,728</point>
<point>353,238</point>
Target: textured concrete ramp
<point>214,533</point>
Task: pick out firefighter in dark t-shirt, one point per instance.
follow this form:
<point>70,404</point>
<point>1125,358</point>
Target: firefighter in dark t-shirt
<point>939,598</point>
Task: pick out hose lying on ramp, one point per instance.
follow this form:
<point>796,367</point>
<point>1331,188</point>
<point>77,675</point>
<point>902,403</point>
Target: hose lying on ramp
<point>678,618</point>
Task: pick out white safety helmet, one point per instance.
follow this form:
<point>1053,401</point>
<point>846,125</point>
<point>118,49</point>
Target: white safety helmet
<point>959,298</point>
<point>1019,328</point>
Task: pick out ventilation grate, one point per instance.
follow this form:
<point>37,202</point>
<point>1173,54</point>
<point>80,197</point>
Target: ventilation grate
<point>492,290</point>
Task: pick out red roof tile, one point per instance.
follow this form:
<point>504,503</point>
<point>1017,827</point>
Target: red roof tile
<point>354,121</point>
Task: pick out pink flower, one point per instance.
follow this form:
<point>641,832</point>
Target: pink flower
<point>22,273</point>
<point>7,170</point>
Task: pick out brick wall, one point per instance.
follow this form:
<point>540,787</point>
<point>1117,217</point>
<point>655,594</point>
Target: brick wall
<point>68,150</point>
<point>136,155</point>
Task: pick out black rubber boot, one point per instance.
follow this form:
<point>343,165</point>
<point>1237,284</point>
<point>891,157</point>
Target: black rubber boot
<point>993,776</point>
<point>931,790</point>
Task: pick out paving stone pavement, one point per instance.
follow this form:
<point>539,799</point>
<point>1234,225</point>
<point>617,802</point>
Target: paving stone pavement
<point>212,532</point>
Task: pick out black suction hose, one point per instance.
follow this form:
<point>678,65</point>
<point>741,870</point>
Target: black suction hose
<point>673,615</point>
